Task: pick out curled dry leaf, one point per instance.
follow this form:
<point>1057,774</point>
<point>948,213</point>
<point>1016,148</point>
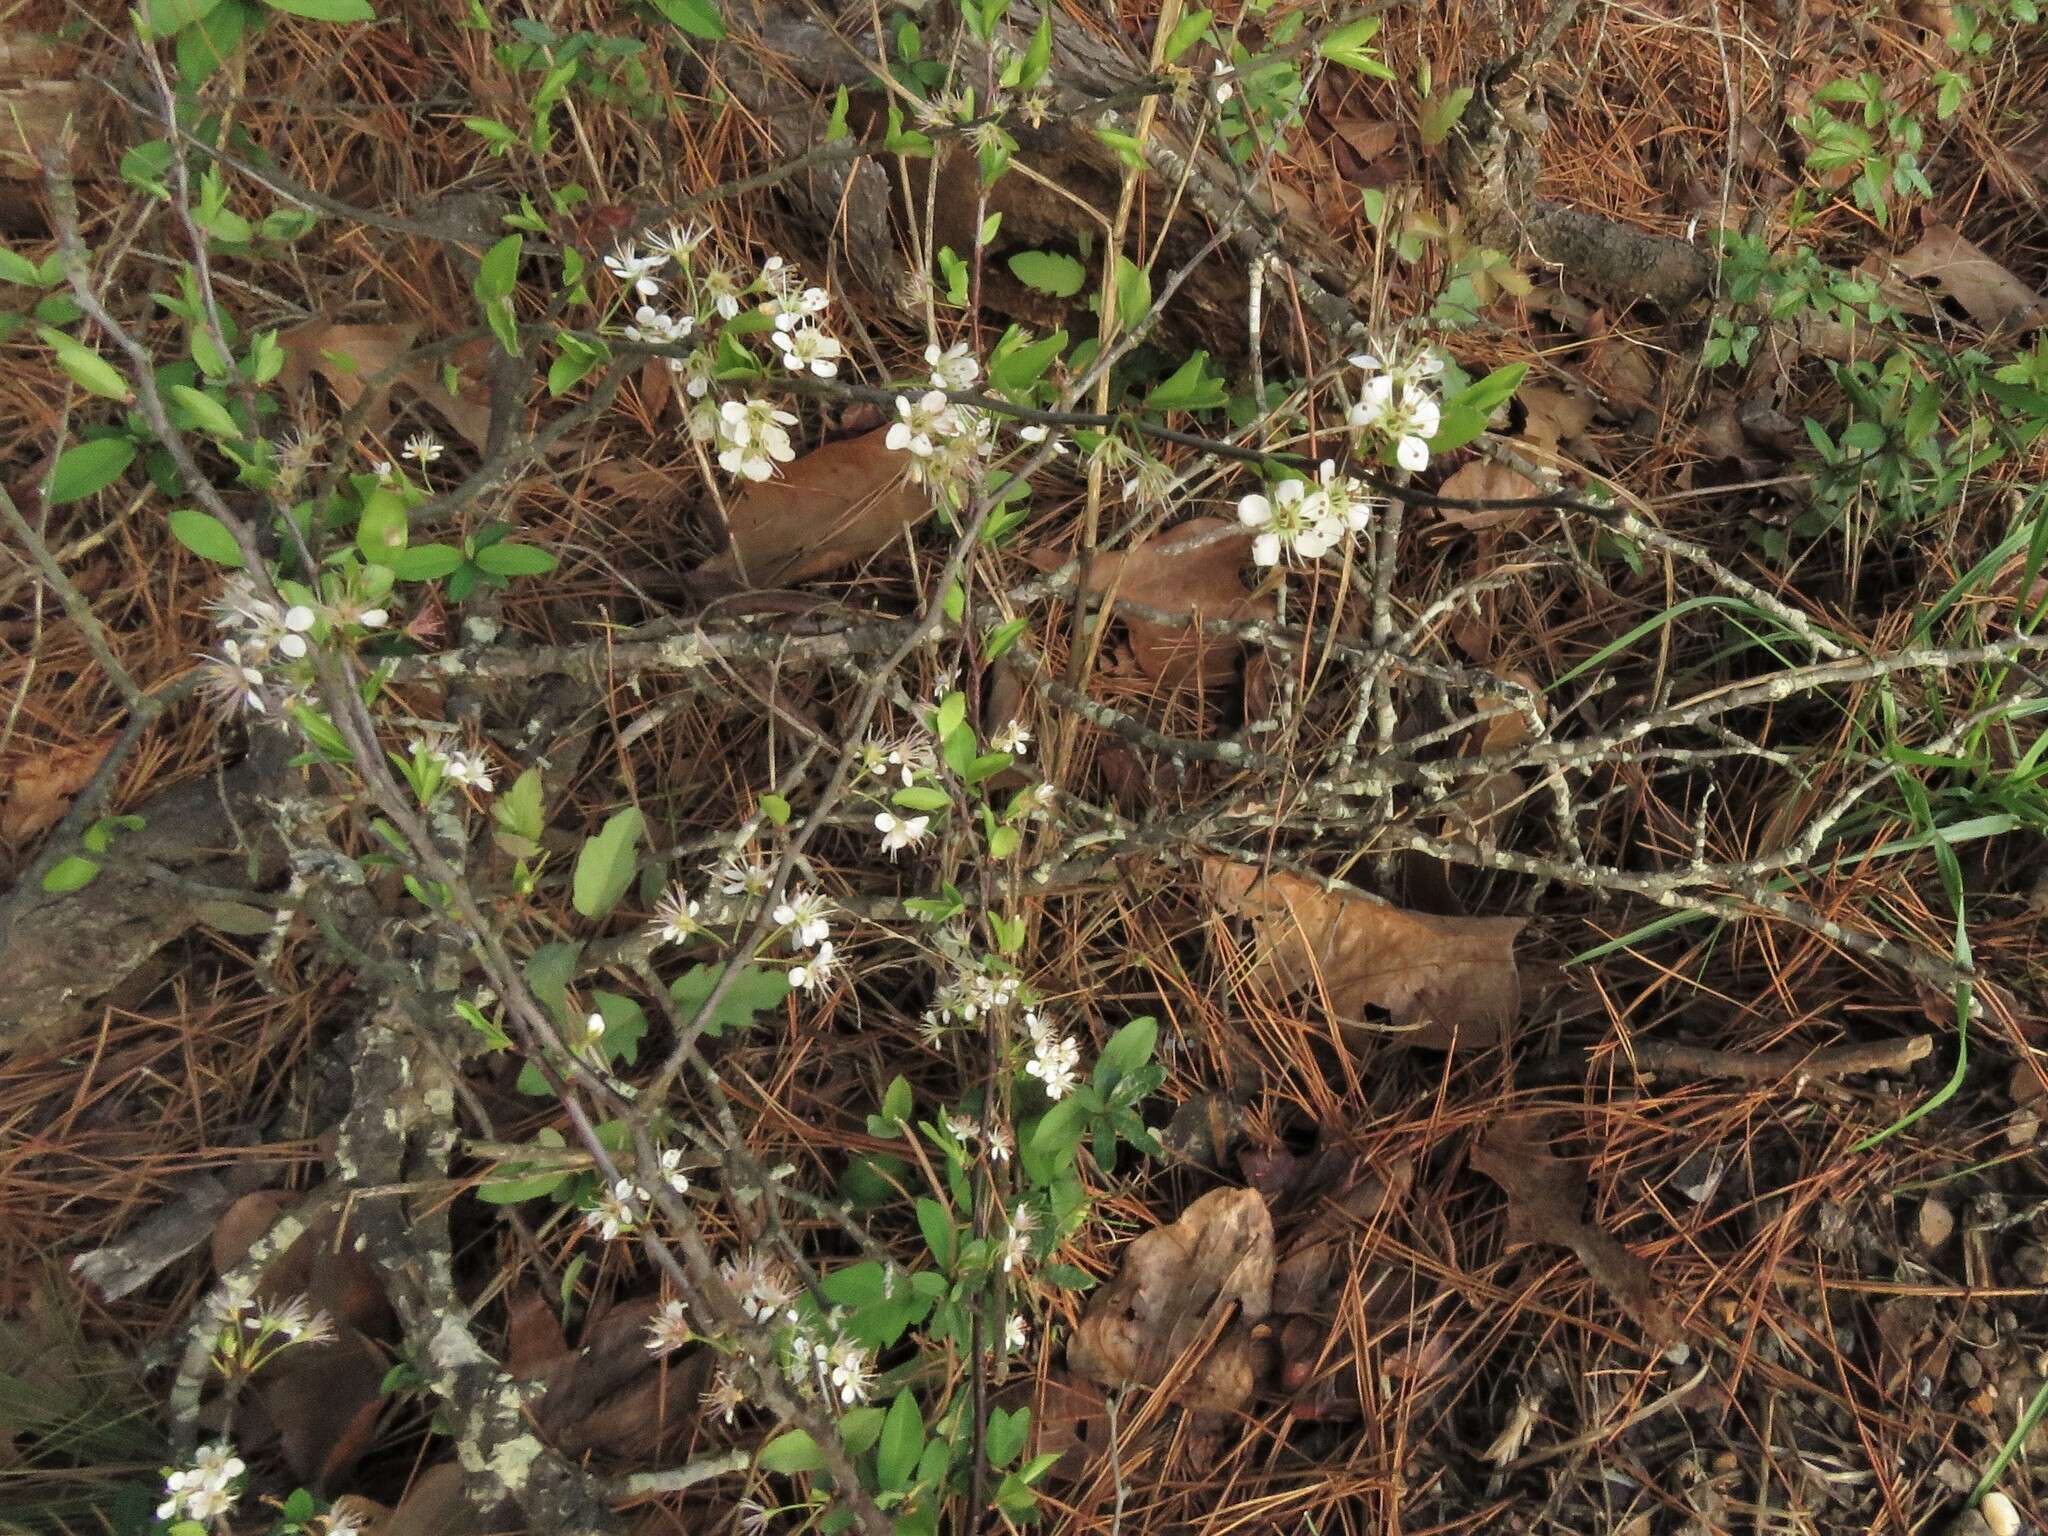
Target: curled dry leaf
<point>353,358</point>
<point>823,511</point>
<point>40,786</point>
<point>1440,980</point>
<point>1554,419</point>
<point>1988,293</point>
<point>1546,1201</point>
<point>1484,480</point>
<point>1193,569</point>
<point>611,1396</point>
<point>1201,1281</point>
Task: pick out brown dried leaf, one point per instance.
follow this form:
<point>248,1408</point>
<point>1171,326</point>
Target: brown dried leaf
<point>1989,294</point>
<point>1554,419</point>
<point>340,1281</point>
<point>825,510</point>
<point>1619,366</point>
<point>1167,574</point>
<point>323,1400</point>
<point>1546,1198</point>
<point>1441,980</point>
<point>1484,480</point>
<point>435,1506</point>
<point>350,357</point>
<point>40,786</point>
<point>613,1397</point>
<point>1178,1283</point>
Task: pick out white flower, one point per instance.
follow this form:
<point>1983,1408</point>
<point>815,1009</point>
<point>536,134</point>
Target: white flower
<point>669,1329</point>
<point>814,970</point>
<point>1055,1062</point>
<point>722,289</point>
<point>297,620</point>
<point>1348,505</point>
<point>348,1523</point>
<point>777,275</point>
<point>204,1491</point>
<point>962,1128</point>
<point>655,328</point>
<point>1038,802</point>
<point>300,1322</point>
<point>999,1144</point>
<point>423,448</point>
<point>467,768</point>
<point>754,438</point>
<point>232,681</point>
<point>762,1287</point>
<point>1012,738</point>
<point>913,756</point>
<point>954,368</point>
<point>1288,521</point>
<point>793,307</point>
<point>1016,1249</point>
<point>900,831</point>
<point>1412,424</point>
<point>1375,400</point>
<point>672,1171</point>
<point>617,1210</point>
<point>682,240</point>
<point>675,917</point>
<point>1038,432</point>
<point>1220,87</point>
<point>383,471</point>
<point>1016,1333</point>
<point>740,876</point>
<point>804,912</point>
<point>922,424</point>
<point>852,1370</point>
<point>809,347</point>
<point>634,270</point>
<point>373,618</point>
<point>723,1398</point>
<point>593,1029</point>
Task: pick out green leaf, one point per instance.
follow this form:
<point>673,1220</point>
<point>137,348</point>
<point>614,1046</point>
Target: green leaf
<point>897,1102</point>
<point>1189,388</point>
<point>936,1223</point>
<point>381,533</point>
<point>325,10</point>
<point>1484,394</point>
<point>1017,369</point>
<point>1050,272</point>
<point>549,970</point>
<point>776,809</point>
<point>425,562</point>
<point>790,1453</point>
<point>85,468</point>
<point>901,1444</point>
<point>510,559</point>
<point>1058,1135</point>
<point>1183,37</point>
<point>607,863</point>
<point>85,367</point>
<point>212,416</point>
<point>17,268</point>
<point>952,712</point>
<point>169,16</point>
<point>919,797</point>
<point>498,273</point>
<point>699,18</point>
<point>206,536</point>
<point>1128,1049</point>
<point>1003,636</point>
<point>752,991</point>
<point>860,1428</point>
<point>1133,292</point>
<point>518,809</point>
<point>70,873</point>
<point>1008,1433</point>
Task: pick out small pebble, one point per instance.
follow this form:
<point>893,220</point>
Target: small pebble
<point>1999,1514</point>
<point>1937,1224</point>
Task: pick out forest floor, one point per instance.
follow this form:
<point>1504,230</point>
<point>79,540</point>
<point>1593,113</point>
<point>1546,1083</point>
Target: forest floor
<point>1590,919</point>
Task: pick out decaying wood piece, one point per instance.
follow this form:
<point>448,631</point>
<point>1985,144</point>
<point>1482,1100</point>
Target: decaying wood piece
<point>1492,161</point>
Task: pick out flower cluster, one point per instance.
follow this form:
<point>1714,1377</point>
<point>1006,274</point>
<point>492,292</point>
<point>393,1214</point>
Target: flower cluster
<point>946,442</point>
<point>1307,520</point>
<point>253,667</point>
<point>834,1366</point>
<point>250,1330</point>
<point>1396,405</point>
<point>205,1491</point>
<point>1055,1058</point>
<point>752,436</point>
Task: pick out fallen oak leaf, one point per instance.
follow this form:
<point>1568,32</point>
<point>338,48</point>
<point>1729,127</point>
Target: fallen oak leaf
<point>1193,569</point>
<point>1546,1198</point>
<point>1484,480</point>
<point>1212,1266</point>
<point>1441,980</point>
<point>359,361</point>
<point>833,507</point>
<point>40,786</point>
<point>1988,293</point>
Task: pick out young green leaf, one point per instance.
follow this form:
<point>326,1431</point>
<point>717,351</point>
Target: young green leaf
<point>1050,272</point>
<point>699,18</point>
<point>71,873</point>
<point>209,414</point>
<point>85,468</point>
<point>85,367</point>
<point>901,1444</point>
<point>206,536</point>
<point>325,10</point>
<point>790,1453</point>
<point>607,864</point>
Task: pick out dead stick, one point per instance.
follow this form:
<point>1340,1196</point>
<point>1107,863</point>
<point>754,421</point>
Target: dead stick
<point>1833,1061</point>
